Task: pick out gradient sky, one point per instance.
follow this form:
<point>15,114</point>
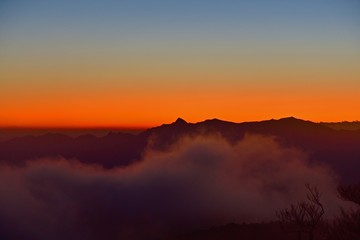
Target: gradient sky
<point>143,63</point>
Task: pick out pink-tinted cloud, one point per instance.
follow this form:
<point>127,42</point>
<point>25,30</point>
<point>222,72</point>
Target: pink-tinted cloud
<point>198,182</point>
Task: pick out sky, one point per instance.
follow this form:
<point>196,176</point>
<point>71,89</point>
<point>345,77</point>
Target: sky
<point>143,63</point>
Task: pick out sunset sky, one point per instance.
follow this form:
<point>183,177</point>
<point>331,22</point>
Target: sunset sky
<point>142,63</point>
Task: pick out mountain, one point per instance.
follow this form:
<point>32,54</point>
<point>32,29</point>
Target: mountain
<point>340,149</point>
<point>355,125</point>
<point>114,149</point>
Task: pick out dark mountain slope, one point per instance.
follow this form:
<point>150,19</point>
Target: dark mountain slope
<point>338,148</point>
<point>114,149</point>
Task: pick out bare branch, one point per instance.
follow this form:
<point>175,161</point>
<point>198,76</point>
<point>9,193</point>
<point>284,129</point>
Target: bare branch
<point>305,215</point>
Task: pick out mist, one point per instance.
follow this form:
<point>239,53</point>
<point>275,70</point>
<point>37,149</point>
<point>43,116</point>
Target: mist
<point>198,182</point>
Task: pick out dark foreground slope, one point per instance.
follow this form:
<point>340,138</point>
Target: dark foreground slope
<point>339,149</point>
<point>233,231</point>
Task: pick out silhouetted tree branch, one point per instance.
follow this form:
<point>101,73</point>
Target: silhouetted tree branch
<point>305,215</point>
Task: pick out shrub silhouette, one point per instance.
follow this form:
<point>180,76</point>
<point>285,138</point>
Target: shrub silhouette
<point>305,216</point>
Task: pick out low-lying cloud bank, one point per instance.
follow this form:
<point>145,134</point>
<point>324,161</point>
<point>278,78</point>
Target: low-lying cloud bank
<point>198,182</point>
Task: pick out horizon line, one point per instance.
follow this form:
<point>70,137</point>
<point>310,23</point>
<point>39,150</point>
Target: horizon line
<point>76,127</point>
<point>140,127</point>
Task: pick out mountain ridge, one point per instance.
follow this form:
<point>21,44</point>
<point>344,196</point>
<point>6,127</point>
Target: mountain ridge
<point>338,149</point>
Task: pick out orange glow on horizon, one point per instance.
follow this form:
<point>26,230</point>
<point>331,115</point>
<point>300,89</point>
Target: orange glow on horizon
<point>140,110</point>
<point>128,92</point>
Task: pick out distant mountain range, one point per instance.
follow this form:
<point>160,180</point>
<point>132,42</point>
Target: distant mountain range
<point>340,149</point>
<point>355,125</point>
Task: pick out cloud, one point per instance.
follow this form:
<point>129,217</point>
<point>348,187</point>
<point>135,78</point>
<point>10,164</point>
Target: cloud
<point>198,182</point>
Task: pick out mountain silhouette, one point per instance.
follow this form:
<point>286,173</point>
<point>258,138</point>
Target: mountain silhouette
<point>340,149</point>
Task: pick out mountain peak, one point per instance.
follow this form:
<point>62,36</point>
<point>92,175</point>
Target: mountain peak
<point>291,118</point>
<point>180,121</point>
